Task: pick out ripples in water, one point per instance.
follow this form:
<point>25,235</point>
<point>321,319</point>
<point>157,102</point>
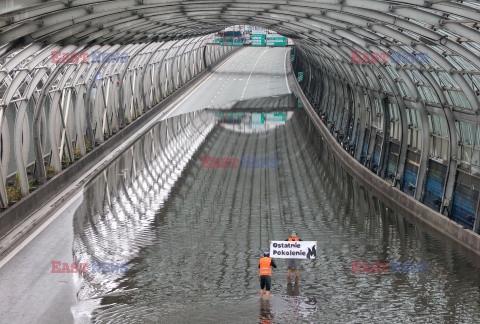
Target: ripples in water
<point>199,263</point>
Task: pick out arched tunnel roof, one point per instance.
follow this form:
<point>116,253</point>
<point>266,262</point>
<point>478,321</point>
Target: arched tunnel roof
<point>427,101</point>
<point>326,31</point>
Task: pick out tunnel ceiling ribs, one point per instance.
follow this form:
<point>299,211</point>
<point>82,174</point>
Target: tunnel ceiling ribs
<point>431,106</point>
<point>74,105</point>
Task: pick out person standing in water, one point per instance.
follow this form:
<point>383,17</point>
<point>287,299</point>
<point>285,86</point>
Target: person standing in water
<point>265,265</point>
<point>293,263</point>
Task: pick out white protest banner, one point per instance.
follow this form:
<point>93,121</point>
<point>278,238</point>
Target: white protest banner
<point>293,249</point>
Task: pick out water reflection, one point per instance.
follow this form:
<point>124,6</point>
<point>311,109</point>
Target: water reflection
<point>116,219</point>
<point>293,289</point>
<point>194,256</point>
<point>252,122</point>
<point>266,315</point>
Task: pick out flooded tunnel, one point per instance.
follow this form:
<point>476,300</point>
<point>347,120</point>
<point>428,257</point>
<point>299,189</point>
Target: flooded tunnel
<point>153,155</point>
<point>191,246</point>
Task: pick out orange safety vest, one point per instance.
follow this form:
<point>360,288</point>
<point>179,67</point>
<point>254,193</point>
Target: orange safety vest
<point>265,266</point>
<point>296,239</point>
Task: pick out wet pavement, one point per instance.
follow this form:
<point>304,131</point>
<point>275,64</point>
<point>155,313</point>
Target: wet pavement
<point>179,242</point>
<point>192,246</point>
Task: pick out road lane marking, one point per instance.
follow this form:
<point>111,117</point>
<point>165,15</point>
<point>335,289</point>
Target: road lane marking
<point>198,86</point>
<point>40,229</point>
<point>286,74</point>
<point>246,83</point>
<point>115,152</point>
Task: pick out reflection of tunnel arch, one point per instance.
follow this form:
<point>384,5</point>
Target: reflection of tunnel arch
<point>121,201</point>
<point>414,123</point>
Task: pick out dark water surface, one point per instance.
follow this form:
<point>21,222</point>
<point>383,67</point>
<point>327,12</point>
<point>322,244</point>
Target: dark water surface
<point>193,250</point>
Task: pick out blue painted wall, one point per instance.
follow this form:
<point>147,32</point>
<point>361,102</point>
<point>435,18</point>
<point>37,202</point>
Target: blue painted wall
<point>392,162</point>
<point>376,153</point>
<point>434,184</point>
<point>464,204</point>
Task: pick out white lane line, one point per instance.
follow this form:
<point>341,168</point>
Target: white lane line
<point>40,229</point>
<point>199,85</point>
<point>286,75</point>
<point>80,193</point>
<point>253,69</point>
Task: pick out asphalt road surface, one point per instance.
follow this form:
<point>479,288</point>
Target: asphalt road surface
<point>29,291</point>
<point>190,237</point>
<point>254,72</point>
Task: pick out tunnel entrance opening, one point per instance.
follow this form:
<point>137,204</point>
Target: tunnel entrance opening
<point>246,35</point>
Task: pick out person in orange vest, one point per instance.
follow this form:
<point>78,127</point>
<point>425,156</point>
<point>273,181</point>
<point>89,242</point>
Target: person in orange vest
<point>265,265</point>
<point>293,263</point>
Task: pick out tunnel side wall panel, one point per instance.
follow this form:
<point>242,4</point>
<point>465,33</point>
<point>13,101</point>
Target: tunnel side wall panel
<point>399,201</point>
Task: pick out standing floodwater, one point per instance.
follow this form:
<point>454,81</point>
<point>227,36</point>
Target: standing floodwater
<point>195,258</point>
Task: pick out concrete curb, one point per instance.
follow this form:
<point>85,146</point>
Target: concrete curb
<point>401,203</point>
<point>14,216</point>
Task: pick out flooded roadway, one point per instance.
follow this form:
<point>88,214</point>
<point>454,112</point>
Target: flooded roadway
<point>192,246</point>
<point>190,237</point>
